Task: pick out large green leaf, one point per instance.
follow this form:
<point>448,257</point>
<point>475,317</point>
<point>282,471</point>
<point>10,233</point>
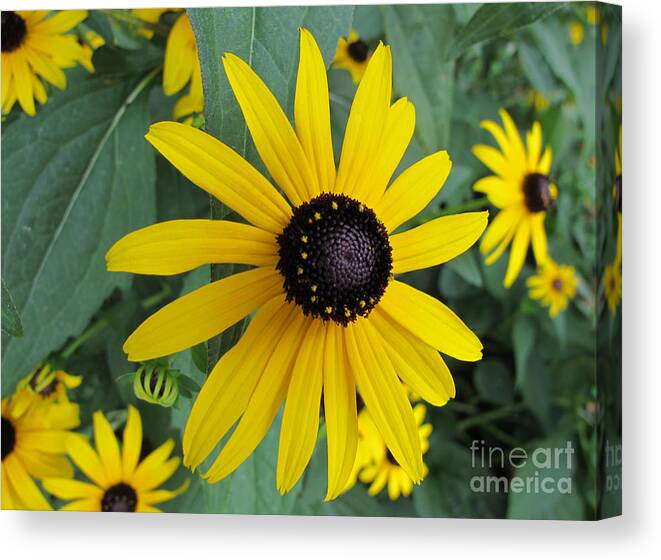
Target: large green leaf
<point>267,38</point>
<point>75,179</point>
<point>494,21</point>
<point>11,322</point>
<point>420,37</point>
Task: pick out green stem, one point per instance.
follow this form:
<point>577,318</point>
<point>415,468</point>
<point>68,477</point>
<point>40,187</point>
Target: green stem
<point>490,416</point>
<point>100,325</point>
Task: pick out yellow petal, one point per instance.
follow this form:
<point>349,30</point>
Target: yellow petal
<point>544,165</point>
<point>499,227</point>
<point>87,504</point>
<point>437,241</point>
<point>518,252</point>
<point>49,441</point>
<point>384,396</point>
<point>23,83</point>
<point>515,142</point>
<point>413,190</point>
<point>60,22</point>
<point>180,58</point>
<point>495,161</point>
<point>418,365</point>
<point>339,412</point>
<point>431,321</point>
<point>223,173</point>
<point>534,141</point>
<point>182,245</point>
<point>366,125</point>
<point>202,314</point>
<point>501,193</point>
<point>264,403</point>
<point>396,138</point>
<point>153,473</point>
<point>67,489</point>
<point>300,421</point>
<point>44,65</point>
<point>312,112</point>
<point>538,236</point>
<point>87,460</point>
<point>131,442</point>
<point>162,495</point>
<point>107,447</point>
<point>44,465</point>
<point>226,392</point>
<point>25,490</point>
<point>273,135</point>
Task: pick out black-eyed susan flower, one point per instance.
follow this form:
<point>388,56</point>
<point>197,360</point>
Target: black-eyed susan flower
<point>352,54</point>
<point>554,285</point>
<point>378,467</point>
<point>120,482</point>
<point>90,42</point>
<point>576,32</point>
<point>35,49</point>
<point>50,385</point>
<point>330,313</point>
<point>613,285</point>
<point>33,447</point>
<point>521,189</point>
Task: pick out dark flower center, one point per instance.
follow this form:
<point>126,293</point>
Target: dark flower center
<point>618,193</point>
<point>537,192</point>
<point>13,31</point>
<point>335,257</point>
<point>358,50</point>
<point>8,437</point>
<point>390,458</point>
<point>46,390</point>
<point>120,497</point>
<point>557,285</point>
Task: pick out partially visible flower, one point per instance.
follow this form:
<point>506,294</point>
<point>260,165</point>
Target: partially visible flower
<point>377,466</point>
<point>576,32</point>
<point>592,14</point>
<point>120,481</point>
<point>150,16</point>
<point>156,384</point>
<point>613,285</point>
<point>553,285</point>
<point>33,446</point>
<point>90,43</point>
<point>181,67</point>
<point>352,54</point>
<point>521,189</point>
<point>35,48</point>
<point>49,385</point>
<point>539,101</point>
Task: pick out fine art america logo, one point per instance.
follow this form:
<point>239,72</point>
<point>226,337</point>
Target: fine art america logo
<point>545,470</point>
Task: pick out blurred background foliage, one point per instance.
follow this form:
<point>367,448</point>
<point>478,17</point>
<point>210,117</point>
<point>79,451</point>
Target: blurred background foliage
<point>79,175</point>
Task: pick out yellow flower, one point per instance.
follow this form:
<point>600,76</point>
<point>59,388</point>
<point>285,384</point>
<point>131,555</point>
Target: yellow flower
<point>92,42</point>
<point>33,446</point>
<point>592,15</point>
<point>553,285</point>
<point>352,54</point>
<point>48,385</point>
<point>35,47</point>
<point>521,189</point>
<point>120,481</point>
<point>539,100</point>
<point>330,314</point>
<point>613,285</point>
<point>150,15</point>
<point>576,32</point>
<point>379,467</point>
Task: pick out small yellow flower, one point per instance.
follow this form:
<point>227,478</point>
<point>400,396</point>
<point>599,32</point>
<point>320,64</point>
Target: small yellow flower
<point>352,54</point>
<point>91,42</point>
<point>378,466</point>
<point>33,446</point>
<point>592,14</point>
<point>35,48</point>
<point>553,285</point>
<point>613,285</point>
<point>521,189</point>
<point>332,228</point>
<point>48,385</point>
<point>576,32</point>
<point>540,101</point>
<point>120,481</point>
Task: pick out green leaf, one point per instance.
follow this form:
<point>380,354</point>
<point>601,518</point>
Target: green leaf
<point>267,38</point>
<point>81,176</point>
<point>11,322</point>
<point>420,36</point>
<point>563,501</point>
<point>466,266</point>
<point>493,21</point>
<point>493,382</point>
<point>523,340</point>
